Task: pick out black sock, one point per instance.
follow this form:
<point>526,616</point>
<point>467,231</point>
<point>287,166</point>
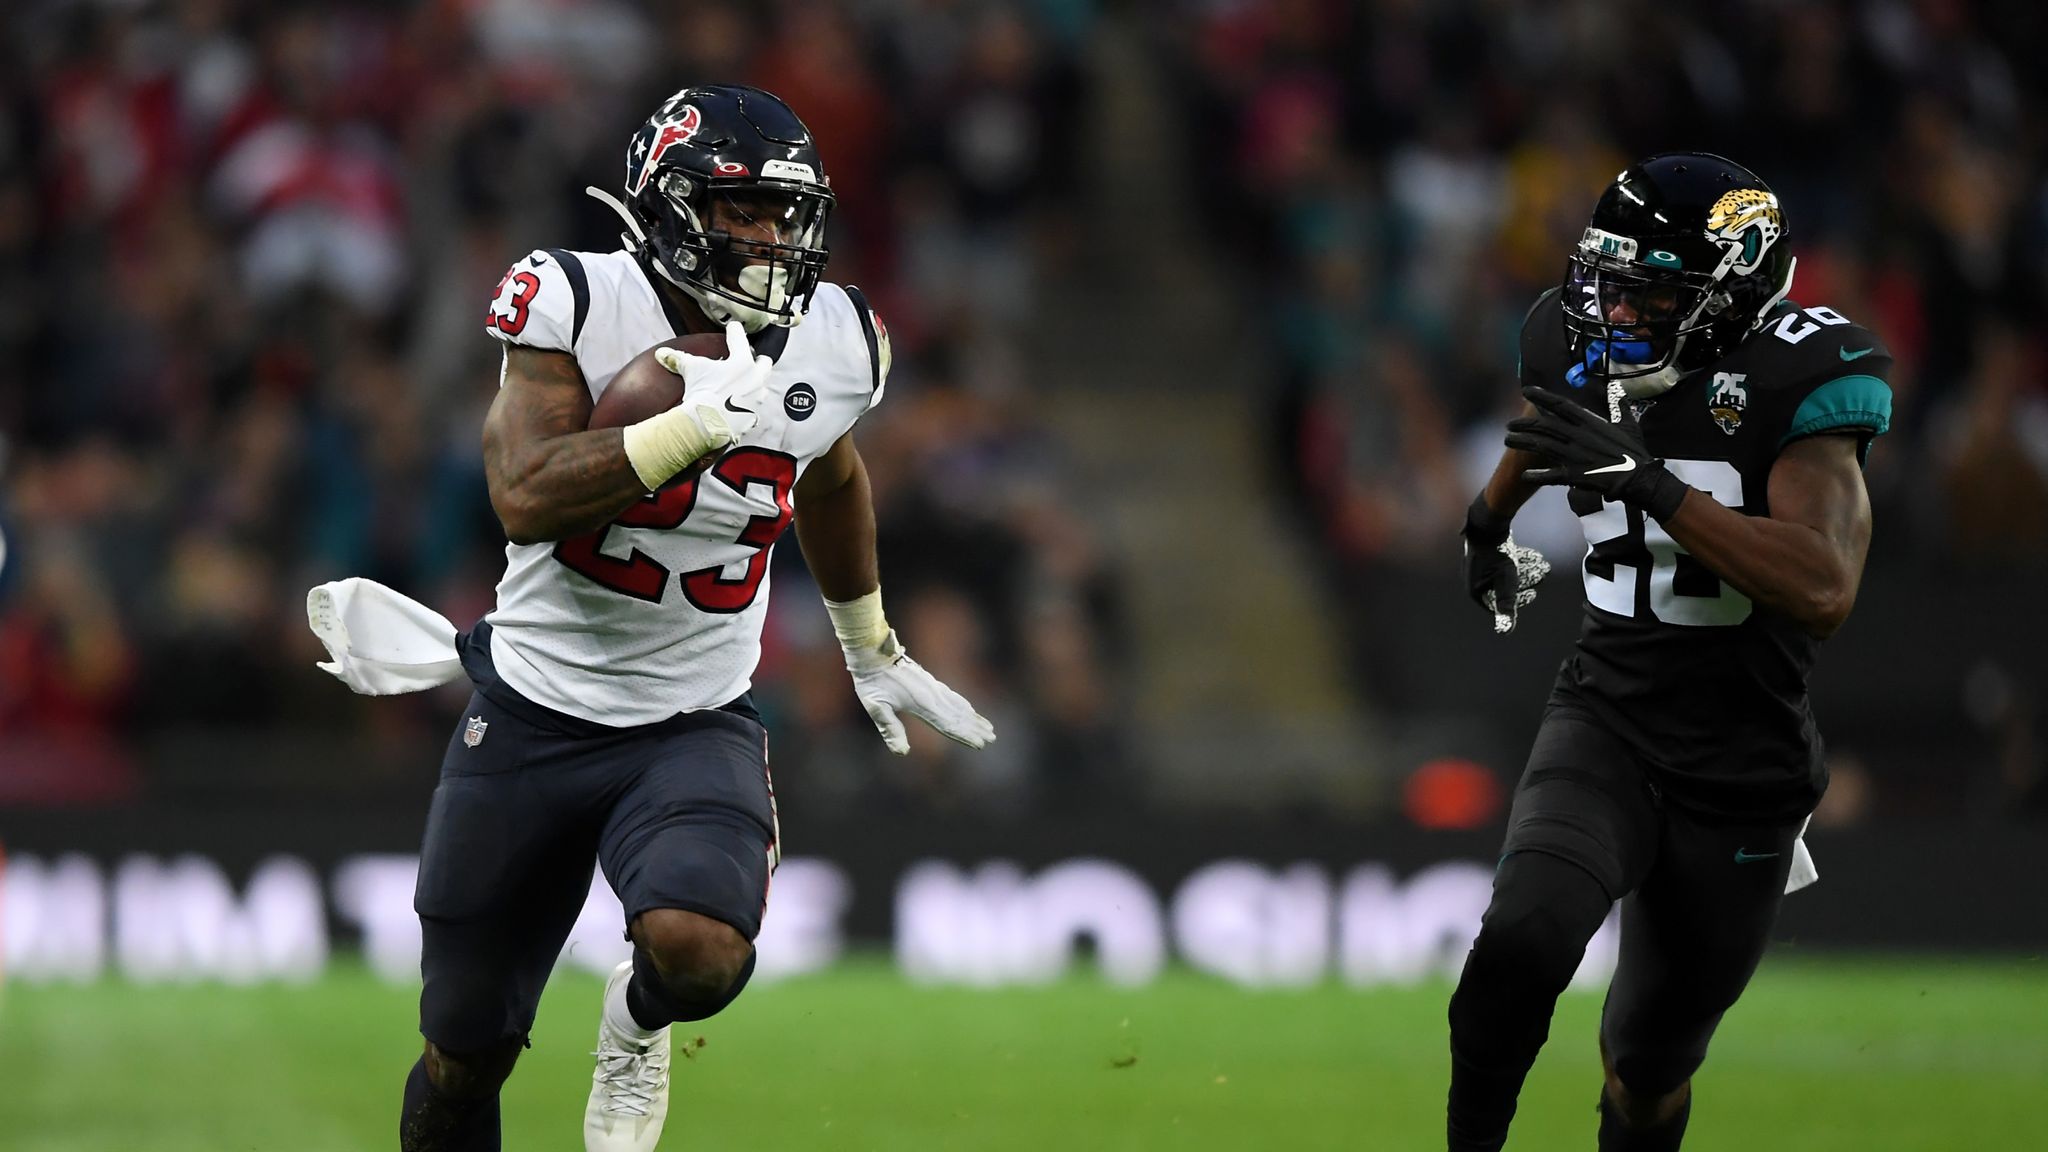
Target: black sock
<point>1544,909</point>
<point>653,1007</point>
<point>647,997</point>
<point>1616,1136</point>
<point>432,1122</point>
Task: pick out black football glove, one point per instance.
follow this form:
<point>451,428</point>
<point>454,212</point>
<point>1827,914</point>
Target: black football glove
<point>1500,574</point>
<point>1584,451</point>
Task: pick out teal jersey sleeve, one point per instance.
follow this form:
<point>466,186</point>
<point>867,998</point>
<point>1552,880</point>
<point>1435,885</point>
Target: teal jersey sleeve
<point>1859,403</point>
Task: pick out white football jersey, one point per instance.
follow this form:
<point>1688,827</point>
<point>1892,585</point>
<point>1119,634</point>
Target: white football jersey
<point>661,612</point>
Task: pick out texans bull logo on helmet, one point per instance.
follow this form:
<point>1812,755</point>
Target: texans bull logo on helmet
<point>712,155</point>
<point>668,133</point>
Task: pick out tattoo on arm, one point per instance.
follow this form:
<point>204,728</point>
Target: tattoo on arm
<point>549,478</point>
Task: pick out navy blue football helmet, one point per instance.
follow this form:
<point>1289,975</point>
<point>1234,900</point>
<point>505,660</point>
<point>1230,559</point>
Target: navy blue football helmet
<point>719,153</point>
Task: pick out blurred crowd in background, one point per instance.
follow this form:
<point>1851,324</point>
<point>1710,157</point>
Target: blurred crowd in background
<point>1408,176</point>
<point>245,252</point>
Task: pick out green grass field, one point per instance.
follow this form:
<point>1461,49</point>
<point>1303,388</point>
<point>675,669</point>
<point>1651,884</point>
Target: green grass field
<point>1864,1056</point>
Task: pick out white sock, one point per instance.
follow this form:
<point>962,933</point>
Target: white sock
<point>619,1018</point>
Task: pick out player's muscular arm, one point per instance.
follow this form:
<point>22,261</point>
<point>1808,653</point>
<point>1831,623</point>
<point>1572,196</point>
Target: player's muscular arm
<point>835,526</point>
<point>835,523</point>
<point>1806,559</point>
<point>1501,576</point>
<point>549,478</point>
<point>1506,491</point>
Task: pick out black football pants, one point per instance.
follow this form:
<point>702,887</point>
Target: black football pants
<point>1697,903</point>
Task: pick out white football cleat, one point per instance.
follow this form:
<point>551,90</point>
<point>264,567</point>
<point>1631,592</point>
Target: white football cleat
<point>629,1089</point>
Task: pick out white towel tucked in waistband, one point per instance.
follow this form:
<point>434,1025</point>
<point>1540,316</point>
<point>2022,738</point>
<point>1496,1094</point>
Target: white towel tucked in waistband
<point>1803,872</point>
<point>382,643</point>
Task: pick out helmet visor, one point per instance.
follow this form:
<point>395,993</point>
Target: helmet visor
<point>758,244</point>
<point>1627,319</point>
<point>764,218</point>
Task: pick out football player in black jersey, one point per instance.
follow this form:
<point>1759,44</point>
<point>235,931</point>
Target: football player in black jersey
<point>1711,432</point>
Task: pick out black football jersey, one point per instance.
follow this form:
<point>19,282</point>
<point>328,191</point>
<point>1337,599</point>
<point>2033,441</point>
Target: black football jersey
<point>1709,687</point>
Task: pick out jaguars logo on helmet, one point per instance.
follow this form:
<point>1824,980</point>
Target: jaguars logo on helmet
<point>1682,260</point>
<point>1749,221</point>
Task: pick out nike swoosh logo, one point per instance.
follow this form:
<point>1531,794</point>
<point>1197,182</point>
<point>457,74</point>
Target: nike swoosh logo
<point>537,260</point>
<point>1628,464</point>
<point>1744,856</point>
<point>732,407</point>
<point>1859,354</point>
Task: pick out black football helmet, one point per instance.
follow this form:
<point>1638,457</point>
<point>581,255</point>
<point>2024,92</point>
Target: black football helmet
<point>1683,258</point>
<point>724,152</point>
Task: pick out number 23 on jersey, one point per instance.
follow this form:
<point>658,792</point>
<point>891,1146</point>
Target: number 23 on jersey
<point>1626,548</point>
<point>708,589</point>
<point>511,320</point>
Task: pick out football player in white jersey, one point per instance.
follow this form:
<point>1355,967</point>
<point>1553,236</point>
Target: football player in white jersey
<point>611,717</point>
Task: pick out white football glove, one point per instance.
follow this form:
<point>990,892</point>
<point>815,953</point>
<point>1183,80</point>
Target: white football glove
<point>1530,569</point>
<point>722,401</point>
<point>1500,574</point>
<point>888,681</point>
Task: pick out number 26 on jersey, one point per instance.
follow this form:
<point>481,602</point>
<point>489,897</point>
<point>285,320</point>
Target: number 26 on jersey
<point>1623,551</point>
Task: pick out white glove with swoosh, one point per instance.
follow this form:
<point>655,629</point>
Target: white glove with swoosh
<point>1580,449</point>
<point>722,400</point>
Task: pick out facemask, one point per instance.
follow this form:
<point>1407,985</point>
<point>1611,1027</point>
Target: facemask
<point>1619,348</point>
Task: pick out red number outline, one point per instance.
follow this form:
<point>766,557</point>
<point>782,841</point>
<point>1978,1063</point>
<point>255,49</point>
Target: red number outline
<point>707,588</point>
<point>639,575</point>
<point>644,578</point>
<point>513,325</point>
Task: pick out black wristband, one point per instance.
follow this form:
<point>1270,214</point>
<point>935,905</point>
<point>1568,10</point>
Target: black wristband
<point>1665,493</point>
<point>1485,525</point>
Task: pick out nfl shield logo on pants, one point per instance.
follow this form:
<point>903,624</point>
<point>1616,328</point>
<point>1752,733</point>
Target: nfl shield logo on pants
<point>473,731</point>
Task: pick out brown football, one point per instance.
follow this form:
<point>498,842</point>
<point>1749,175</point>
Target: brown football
<point>643,387</point>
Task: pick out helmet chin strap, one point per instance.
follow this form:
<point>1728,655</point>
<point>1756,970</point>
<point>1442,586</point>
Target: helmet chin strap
<point>1653,383</point>
<point>717,307</point>
<point>1791,270</point>
<point>633,240</point>
<point>720,309</point>
<point>1657,383</point>
<point>1615,349</point>
<point>755,280</point>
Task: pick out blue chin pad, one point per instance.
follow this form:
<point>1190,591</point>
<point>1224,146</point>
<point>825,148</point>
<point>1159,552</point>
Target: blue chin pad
<point>1620,351</point>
